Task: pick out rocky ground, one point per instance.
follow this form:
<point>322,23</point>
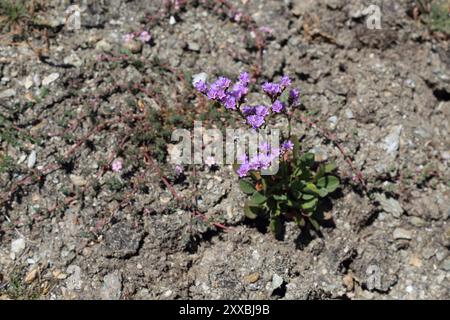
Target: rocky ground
<point>75,98</point>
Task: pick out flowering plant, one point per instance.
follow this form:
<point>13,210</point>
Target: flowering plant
<point>295,191</point>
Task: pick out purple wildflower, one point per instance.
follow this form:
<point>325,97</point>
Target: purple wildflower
<point>239,90</point>
<point>255,121</point>
<point>255,115</point>
<point>145,37</point>
<point>294,95</point>
<point>243,169</point>
<point>128,37</point>
<point>116,165</point>
<point>216,93</point>
<point>201,86</point>
<point>248,110</point>
<point>223,83</point>
<point>261,111</point>
<point>277,106</point>
<point>218,88</point>
<point>272,89</point>
<point>285,82</point>
<point>244,78</point>
<point>179,169</point>
<point>230,102</point>
<point>287,145</point>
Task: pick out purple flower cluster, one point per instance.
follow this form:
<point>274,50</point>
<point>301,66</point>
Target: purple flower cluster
<point>232,96</point>
<point>256,115</point>
<point>222,91</point>
<point>143,36</point>
<point>261,161</point>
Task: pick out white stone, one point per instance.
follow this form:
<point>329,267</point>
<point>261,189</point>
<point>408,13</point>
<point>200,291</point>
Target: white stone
<point>7,93</point>
<point>31,159</point>
<point>50,78</point>
<point>392,141</point>
<point>17,247</point>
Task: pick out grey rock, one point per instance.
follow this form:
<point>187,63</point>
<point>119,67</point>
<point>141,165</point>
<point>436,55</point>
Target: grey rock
<point>133,46</point>
<point>78,181</point>
<point>392,141</point>
<point>122,240</point>
<point>417,222</point>
<point>112,286</point>
<point>17,247</point>
<point>74,282</point>
<point>445,265</point>
<point>7,93</point>
<point>103,45</point>
<point>193,46</point>
<point>400,233</point>
<point>389,205</point>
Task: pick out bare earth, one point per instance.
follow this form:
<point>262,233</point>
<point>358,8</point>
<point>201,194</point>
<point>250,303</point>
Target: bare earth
<point>71,228</point>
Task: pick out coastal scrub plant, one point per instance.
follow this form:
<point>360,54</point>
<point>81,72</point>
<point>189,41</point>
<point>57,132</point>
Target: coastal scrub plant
<point>300,185</point>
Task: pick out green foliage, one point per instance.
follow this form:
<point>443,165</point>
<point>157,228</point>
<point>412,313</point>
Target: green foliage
<point>295,192</point>
<point>11,12</point>
<point>7,164</point>
<point>438,17</point>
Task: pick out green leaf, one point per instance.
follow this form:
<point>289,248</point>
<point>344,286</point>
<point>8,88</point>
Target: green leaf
<point>311,187</point>
<point>247,187</point>
<point>281,197</point>
<point>320,171</point>
<point>330,167</point>
<point>307,158</point>
<point>275,225</point>
<point>250,212</point>
<point>257,199</point>
<point>315,224</point>
<point>330,183</point>
<point>310,204</point>
<point>307,196</point>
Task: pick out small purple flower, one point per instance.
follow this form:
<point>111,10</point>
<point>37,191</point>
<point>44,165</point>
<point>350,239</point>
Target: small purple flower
<point>145,37</point>
<point>261,111</point>
<point>277,106</point>
<point>287,145</point>
<point>244,78</point>
<point>201,86</point>
<point>128,37</point>
<point>294,95</point>
<point>116,165</point>
<point>285,82</point>
<point>178,170</point>
<point>272,89</point>
<point>216,93</point>
<point>255,121</point>
<point>248,110</point>
<point>230,102</point>
<point>223,83</point>
<point>239,90</point>
<point>243,169</point>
